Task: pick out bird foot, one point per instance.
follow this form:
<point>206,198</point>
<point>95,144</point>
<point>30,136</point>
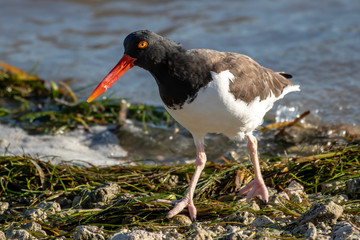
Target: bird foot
<point>180,205</point>
<point>253,189</point>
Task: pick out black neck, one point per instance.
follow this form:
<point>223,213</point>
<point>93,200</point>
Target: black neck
<point>179,77</point>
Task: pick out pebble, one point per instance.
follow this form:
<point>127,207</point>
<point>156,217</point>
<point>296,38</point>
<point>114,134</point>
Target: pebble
<point>244,217</point>
<point>321,213</point>
<point>218,230</point>
<point>295,191</point>
<point>137,234</point>
<point>344,230</point>
<point>280,198</point>
<point>181,220</point>
<point>87,233</point>
<point>35,214</point>
<point>263,221</point>
<point>353,188</point>
<point>3,207</point>
<point>236,233</point>
<point>2,235</point>
<point>332,187</point>
<point>305,229</point>
<point>100,196</point>
<point>311,232</point>
<point>34,227</point>
<point>50,207</point>
<point>19,234</point>
<point>320,222</point>
<point>199,233</point>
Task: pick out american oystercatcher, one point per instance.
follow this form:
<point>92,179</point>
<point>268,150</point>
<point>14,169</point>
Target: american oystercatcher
<point>206,91</point>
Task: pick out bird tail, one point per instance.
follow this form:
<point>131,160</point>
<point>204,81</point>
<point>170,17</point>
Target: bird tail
<point>285,75</point>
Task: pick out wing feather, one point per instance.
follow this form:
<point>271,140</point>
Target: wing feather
<point>251,79</point>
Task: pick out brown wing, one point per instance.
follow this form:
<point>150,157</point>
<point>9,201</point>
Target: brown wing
<point>251,79</point>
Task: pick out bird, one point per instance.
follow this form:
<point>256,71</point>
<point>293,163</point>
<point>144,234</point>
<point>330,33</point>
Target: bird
<point>206,91</point>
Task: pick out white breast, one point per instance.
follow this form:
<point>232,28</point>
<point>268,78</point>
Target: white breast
<point>215,109</point>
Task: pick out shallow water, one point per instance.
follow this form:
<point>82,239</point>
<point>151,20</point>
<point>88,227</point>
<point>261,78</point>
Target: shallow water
<point>316,41</point>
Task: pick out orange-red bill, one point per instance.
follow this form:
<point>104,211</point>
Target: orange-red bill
<point>123,65</point>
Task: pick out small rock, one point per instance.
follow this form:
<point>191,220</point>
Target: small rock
<point>263,221</point>
<point>125,197</point>
<point>319,212</point>
<point>241,217</point>
<point>218,230</point>
<point>231,229</point>
<point>105,193</point>
<point>344,230</point>
<point>323,226</point>
<point>340,198</point>
<point>297,197</point>
<point>101,195</point>
<point>283,220</point>
<point>76,203</point>
<point>19,234</point>
<point>281,197</point>
<point>50,207</point>
<point>2,235</point>
<point>172,180</point>
<point>3,207</point>
<point>315,197</point>
<point>294,186</point>
<point>137,234</point>
<point>173,235</point>
<point>353,188</point>
<point>332,187</point>
<point>272,192</point>
<point>42,211</point>
<point>181,220</point>
<point>88,233</point>
<point>303,229</point>
<point>295,191</point>
<point>357,219</point>
<point>64,202</point>
<point>267,234</point>
<point>236,233</point>
<point>311,232</point>
<point>254,206</point>
<point>35,214</point>
<point>34,227</point>
<point>199,233</point>
<point>339,225</point>
<point>323,236</point>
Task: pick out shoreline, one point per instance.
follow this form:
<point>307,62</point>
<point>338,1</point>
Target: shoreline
<point>312,173</point>
<point>46,201</point>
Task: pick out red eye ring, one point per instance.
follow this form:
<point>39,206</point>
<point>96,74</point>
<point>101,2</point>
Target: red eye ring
<point>142,44</point>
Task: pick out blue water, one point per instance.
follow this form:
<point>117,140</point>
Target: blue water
<point>318,42</point>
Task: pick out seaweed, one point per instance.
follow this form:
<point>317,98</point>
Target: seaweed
<point>27,181</point>
<point>29,102</point>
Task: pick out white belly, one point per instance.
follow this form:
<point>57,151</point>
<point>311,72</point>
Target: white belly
<point>215,110</point>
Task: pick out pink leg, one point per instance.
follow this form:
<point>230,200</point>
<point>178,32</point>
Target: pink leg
<point>187,200</point>
<point>257,186</point>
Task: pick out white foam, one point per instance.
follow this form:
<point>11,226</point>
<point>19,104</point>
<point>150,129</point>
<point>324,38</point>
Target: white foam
<point>99,148</point>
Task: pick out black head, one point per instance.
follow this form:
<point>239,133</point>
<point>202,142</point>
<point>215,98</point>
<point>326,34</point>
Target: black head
<point>148,48</point>
<point>144,49</point>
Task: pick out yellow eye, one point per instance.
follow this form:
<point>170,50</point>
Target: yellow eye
<point>142,44</point>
